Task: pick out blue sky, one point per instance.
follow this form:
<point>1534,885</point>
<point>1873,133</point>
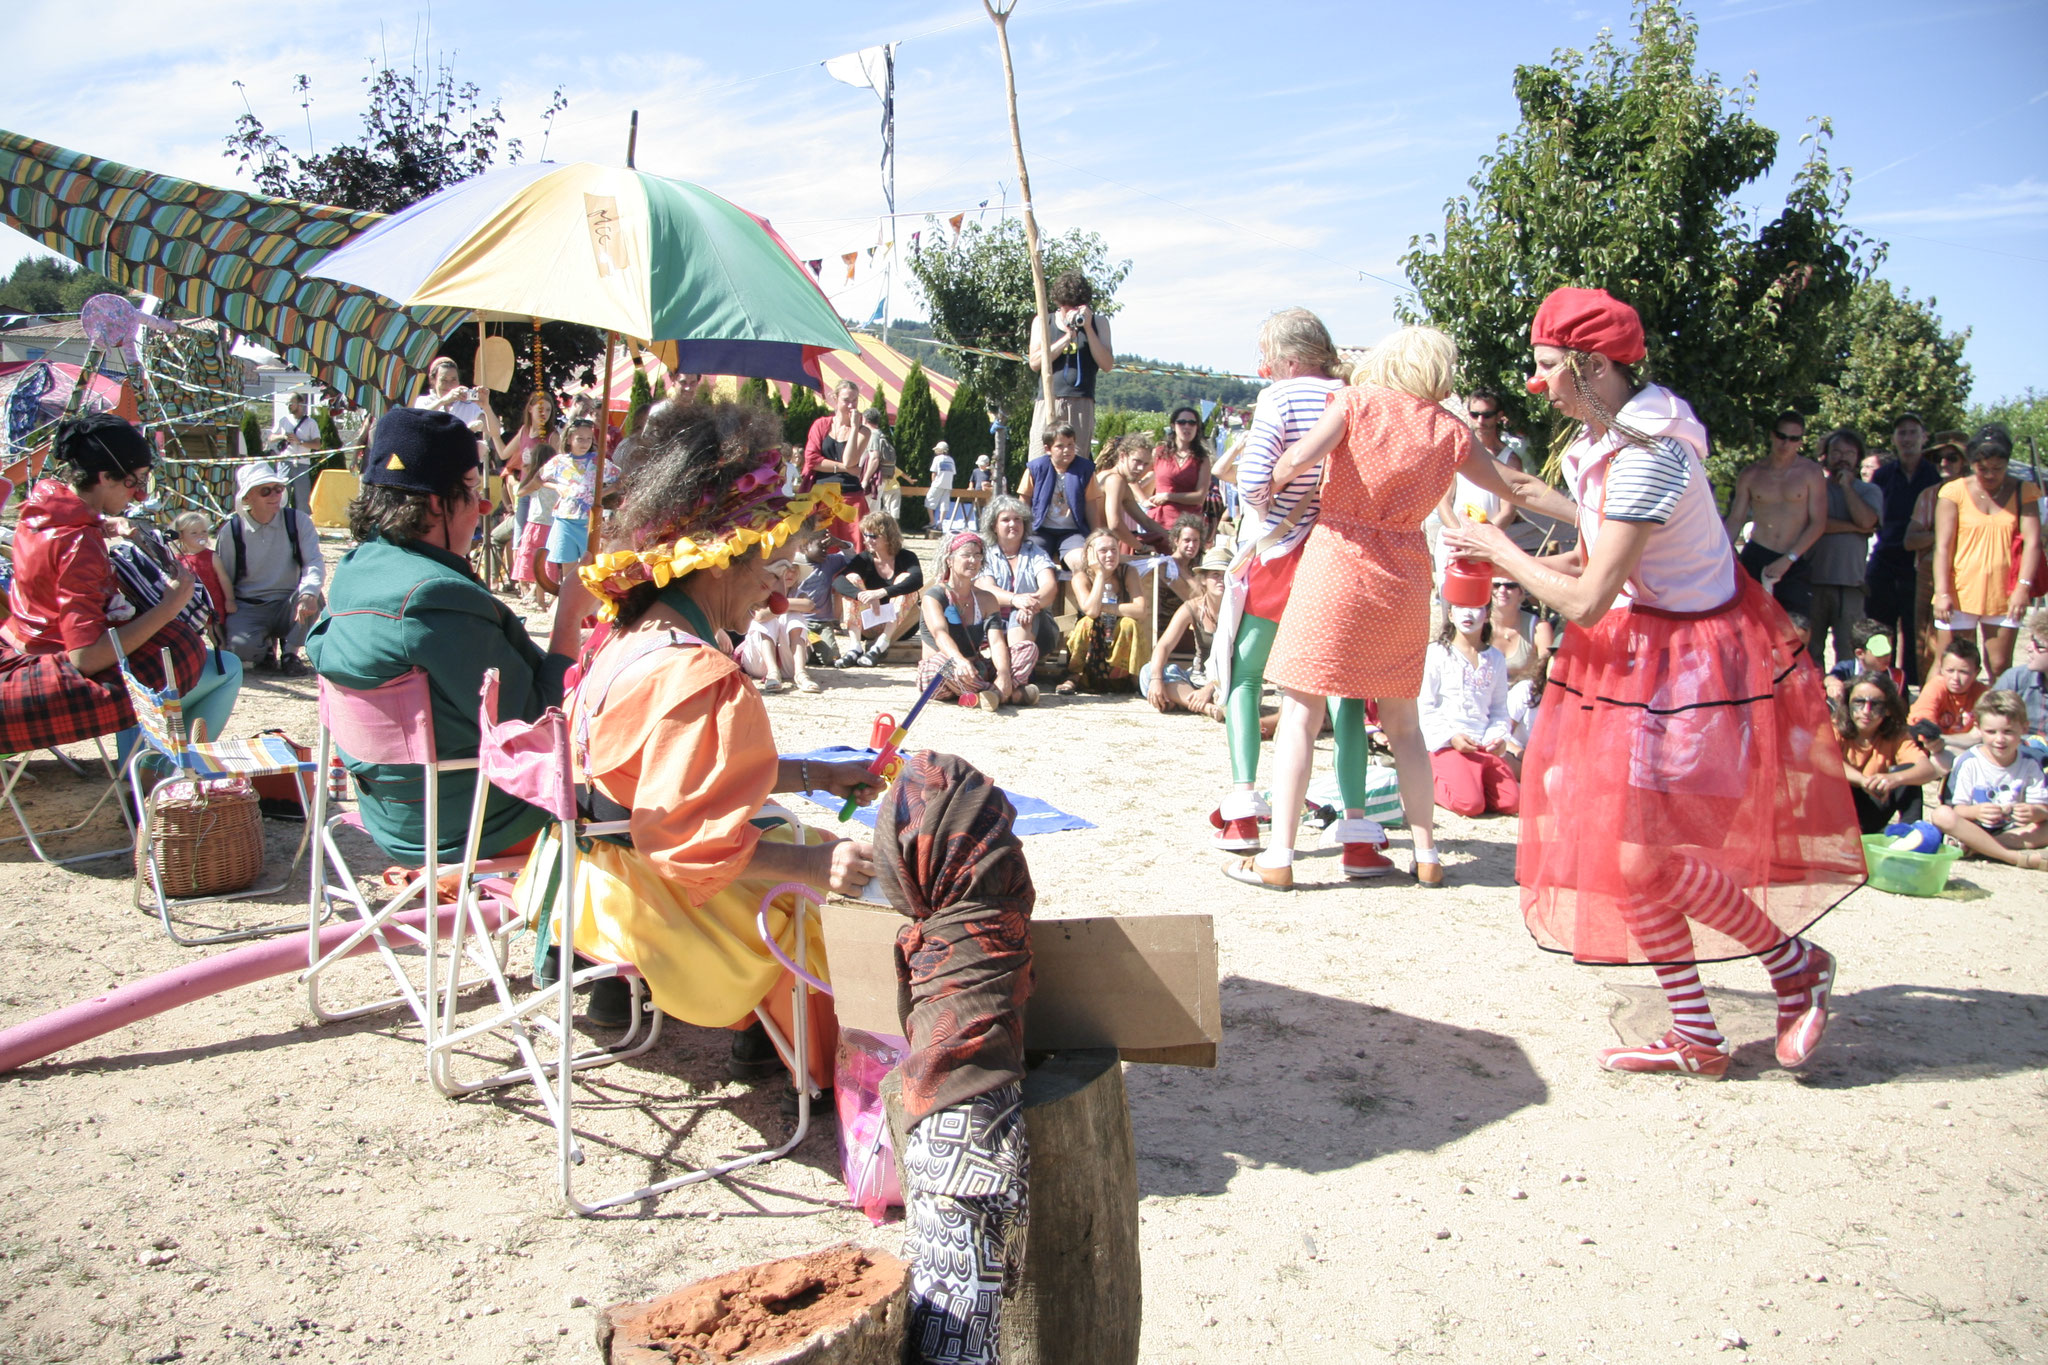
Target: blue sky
<point>1244,158</point>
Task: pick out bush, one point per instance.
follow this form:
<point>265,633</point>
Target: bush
<point>919,428</point>
<point>804,409</point>
<point>252,435</point>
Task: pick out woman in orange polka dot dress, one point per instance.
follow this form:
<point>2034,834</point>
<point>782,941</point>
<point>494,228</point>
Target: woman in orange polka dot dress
<point>1357,621</point>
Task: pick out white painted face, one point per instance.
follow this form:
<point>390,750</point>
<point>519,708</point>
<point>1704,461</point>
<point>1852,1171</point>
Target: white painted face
<point>1468,619</point>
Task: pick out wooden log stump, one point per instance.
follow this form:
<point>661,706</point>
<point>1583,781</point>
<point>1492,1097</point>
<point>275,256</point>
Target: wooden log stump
<point>1079,1296</point>
<point>843,1305</point>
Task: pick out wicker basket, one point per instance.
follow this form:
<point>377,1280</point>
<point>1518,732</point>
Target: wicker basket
<point>208,838</point>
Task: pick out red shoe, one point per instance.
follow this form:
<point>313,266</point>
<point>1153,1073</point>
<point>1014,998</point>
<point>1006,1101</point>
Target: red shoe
<point>1366,860</point>
<point>1669,1053</point>
<point>1237,836</point>
<point>1800,1030</point>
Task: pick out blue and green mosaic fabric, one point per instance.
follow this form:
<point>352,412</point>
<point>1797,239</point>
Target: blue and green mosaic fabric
<point>236,257</point>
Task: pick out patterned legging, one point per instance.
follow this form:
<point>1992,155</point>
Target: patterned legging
<point>967,1173</point>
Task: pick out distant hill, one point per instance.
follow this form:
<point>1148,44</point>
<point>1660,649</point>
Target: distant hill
<point>1117,389</point>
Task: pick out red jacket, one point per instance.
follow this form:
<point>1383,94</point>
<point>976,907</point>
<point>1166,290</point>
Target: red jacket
<point>63,580</point>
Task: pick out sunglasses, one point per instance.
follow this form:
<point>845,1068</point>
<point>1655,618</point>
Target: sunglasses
<point>1504,586</point>
<point>1186,422</point>
<point>1790,438</point>
<point>1866,703</point>
<point>1485,416</point>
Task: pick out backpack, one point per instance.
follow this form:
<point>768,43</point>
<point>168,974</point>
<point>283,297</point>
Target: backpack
<point>242,550</point>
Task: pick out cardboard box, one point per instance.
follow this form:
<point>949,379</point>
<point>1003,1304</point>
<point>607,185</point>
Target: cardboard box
<point>1143,984</point>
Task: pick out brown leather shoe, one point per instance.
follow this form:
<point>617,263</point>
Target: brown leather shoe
<point>1429,874</point>
<point>1248,871</point>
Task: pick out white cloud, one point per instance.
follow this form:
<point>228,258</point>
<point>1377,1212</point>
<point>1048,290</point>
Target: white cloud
<point>2024,199</point>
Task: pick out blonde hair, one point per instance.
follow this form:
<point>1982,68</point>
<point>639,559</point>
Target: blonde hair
<point>2003,702</point>
<point>1420,361</point>
<point>1299,335</point>
<point>191,521</point>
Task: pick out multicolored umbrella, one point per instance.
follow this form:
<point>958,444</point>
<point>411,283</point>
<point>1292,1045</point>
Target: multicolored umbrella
<point>637,255</point>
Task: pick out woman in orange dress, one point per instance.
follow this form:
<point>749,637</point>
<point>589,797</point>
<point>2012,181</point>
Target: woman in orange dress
<point>1976,521</point>
<point>1357,620</point>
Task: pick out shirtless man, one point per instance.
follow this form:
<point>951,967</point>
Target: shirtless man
<point>1785,496</point>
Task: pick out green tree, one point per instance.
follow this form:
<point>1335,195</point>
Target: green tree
<point>422,131</point>
<point>2026,417</point>
<point>1895,357</point>
<point>252,434</point>
<point>966,432</point>
<point>977,287</point>
<point>918,427</point>
<point>804,409</point>
<point>44,284</point>
<point>1624,173</point>
<point>755,393</point>
<point>639,398</point>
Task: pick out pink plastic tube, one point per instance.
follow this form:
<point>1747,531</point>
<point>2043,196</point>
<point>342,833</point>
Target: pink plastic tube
<point>53,1032</point>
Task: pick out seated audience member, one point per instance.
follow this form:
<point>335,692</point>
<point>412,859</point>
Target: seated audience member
<point>1179,686</point>
<point>867,589</point>
<point>959,635</point>
<point>1021,574</point>
<point>1464,713</point>
<point>407,598</point>
<point>1065,500</point>
<point>1523,638</point>
<point>1885,764</point>
<point>2028,676</point>
<point>1998,794</point>
<point>1802,627</point>
<point>270,564</point>
<point>195,551</point>
<point>1190,537</point>
<point>773,649</point>
<point>823,557</point>
<point>1106,647</point>
<point>1951,694</point>
<point>1871,652</point>
<point>1122,488</point>
<point>69,624</point>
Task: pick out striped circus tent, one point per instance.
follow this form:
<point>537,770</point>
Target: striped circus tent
<point>874,364</point>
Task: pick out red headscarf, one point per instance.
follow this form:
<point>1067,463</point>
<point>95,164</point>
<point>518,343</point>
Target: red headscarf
<point>1590,320</point>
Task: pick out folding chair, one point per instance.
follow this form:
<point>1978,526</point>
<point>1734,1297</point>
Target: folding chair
<point>13,767</point>
<point>531,761</point>
<point>161,717</point>
<point>389,724</point>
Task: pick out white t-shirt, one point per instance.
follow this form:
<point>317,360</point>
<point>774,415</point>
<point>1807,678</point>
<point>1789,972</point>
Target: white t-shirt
<point>1978,781</point>
<point>463,410</point>
<point>943,470</point>
<point>301,437</point>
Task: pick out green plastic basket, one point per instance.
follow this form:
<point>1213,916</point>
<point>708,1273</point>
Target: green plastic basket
<point>1908,874</point>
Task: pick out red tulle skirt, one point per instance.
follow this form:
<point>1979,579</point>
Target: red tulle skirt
<point>1668,740</point>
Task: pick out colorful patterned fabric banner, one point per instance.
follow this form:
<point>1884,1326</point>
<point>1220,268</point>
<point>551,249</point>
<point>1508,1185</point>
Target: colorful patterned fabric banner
<point>236,257</point>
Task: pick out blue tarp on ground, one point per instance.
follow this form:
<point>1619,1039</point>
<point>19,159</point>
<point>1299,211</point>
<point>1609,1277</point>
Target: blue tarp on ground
<point>1033,815</point>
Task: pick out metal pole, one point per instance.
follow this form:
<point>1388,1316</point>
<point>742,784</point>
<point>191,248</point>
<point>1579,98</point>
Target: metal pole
<point>632,139</point>
<point>604,447</point>
<point>889,187</point>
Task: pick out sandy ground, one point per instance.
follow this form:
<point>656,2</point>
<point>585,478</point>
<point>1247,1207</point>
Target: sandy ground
<point>1406,1150</point>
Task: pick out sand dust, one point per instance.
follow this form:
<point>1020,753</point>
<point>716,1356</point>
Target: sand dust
<point>1405,1152</point>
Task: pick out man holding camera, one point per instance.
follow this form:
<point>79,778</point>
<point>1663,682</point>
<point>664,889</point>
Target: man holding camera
<point>1080,350</point>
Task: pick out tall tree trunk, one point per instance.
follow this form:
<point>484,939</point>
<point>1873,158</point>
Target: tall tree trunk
<point>1001,17</point>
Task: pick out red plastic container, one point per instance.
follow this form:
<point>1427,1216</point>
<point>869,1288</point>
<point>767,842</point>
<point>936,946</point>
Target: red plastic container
<point>1468,583</point>
<point>885,726</point>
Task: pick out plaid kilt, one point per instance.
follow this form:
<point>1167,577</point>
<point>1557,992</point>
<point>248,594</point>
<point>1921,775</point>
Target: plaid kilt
<point>45,701</point>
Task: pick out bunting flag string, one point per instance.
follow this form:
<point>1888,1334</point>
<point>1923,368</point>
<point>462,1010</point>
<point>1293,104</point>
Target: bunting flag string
<point>817,266</point>
<point>850,258</point>
<point>955,221</point>
<point>1127,366</point>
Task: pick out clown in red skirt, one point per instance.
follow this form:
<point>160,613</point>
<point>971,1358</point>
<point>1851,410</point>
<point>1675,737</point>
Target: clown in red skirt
<point>1683,797</point>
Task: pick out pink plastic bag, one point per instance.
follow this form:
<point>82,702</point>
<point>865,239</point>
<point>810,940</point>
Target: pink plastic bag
<point>866,1157</point>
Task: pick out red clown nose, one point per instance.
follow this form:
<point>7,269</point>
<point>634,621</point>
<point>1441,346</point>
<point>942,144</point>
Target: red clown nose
<point>778,603</point>
<point>1536,383</point>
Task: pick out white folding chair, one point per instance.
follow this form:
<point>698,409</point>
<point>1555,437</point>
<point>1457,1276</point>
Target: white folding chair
<point>161,717</point>
<point>14,767</point>
<point>389,724</point>
<point>531,761</point>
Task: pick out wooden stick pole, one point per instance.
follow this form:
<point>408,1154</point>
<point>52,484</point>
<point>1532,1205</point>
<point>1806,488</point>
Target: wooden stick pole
<point>603,447</point>
<point>1001,18</point>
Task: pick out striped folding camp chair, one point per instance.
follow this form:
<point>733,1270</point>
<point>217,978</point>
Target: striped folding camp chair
<point>162,720</point>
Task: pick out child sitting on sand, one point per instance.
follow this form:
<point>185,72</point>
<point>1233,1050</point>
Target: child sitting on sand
<point>1999,794</point>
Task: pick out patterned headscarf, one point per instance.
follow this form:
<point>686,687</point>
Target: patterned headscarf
<point>950,860</point>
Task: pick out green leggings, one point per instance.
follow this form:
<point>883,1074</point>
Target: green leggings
<point>1241,714</point>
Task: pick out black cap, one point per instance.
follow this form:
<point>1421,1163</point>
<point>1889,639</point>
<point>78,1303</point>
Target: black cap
<point>101,443</point>
<point>1907,416</point>
<point>421,451</point>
